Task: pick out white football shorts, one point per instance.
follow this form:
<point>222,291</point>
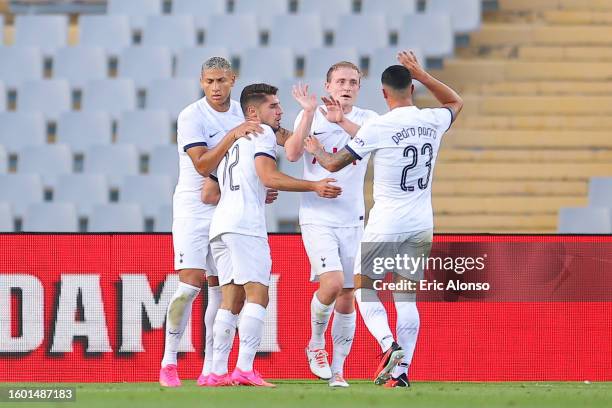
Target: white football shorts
<point>242,259</point>
<point>191,246</point>
<point>331,249</point>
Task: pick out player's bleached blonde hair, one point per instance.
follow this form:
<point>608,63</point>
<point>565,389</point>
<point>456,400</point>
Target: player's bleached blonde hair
<point>216,63</point>
<point>342,64</point>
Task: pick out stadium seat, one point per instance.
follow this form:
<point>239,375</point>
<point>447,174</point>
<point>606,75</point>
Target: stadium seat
<point>116,218</point>
<point>172,95</point>
<point>112,33</point>
<point>81,130</point>
<point>115,161</point>
<point>173,32</point>
<point>45,32</point>
<point>199,7</point>
<point>84,190</point>
<point>145,64</point>
<point>371,97</point>
<point>163,219</point>
<point>50,161</point>
<point>164,160</point>
<point>235,32</point>
<point>21,190</point>
<point>2,97</point>
<point>20,64</point>
<point>136,10</point>
<point>271,64</point>
<point>384,57</point>
<point>394,10</point>
<point>1,30</point>
<point>21,129</point>
<point>303,29</point>
<point>189,60</point>
<point>148,191</point>
<point>432,33</point>
<point>600,192</point>
<point>3,160</point>
<point>365,33</point>
<point>333,9</point>
<point>144,129</point>
<point>319,60</point>
<point>589,220</point>
<point>241,82</point>
<point>264,10</point>
<point>466,15</point>
<point>6,218</point>
<point>51,217</point>
<point>79,65</point>
<point>111,95</point>
<point>52,97</point>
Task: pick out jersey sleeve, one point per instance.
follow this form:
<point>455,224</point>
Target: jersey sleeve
<point>444,118</point>
<point>365,141</point>
<point>190,131</point>
<point>265,144</point>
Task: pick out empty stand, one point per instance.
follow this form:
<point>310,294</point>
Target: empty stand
<point>364,32</point>
<point>163,219</point>
<point>145,64</point>
<point>50,161</point>
<point>589,220</point>
<point>333,9</point>
<point>136,10</point>
<point>177,31</point>
<point>144,129</point>
<point>172,95</point>
<point>84,190</point>
<point>21,190</point>
<point>164,160</point>
<point>600,192</point>
<point>6,218</point>
<point>271,64</point>
<point>303,29</point>
<point>466,15</point>
<point>52,97</point>
<point>199,7</point>
<point>20,64</point>
<point>116,218</point>
<point>236,32</point>
<point>432,33</point>
<point>110,95</point>
<point>114,161</point>
<point>78,65</point>
<point>110,32</point>
<point>81,130</point>
<point>394,10</point>
<point>189,60</point>
<point>150,192</point>
<point>45,32</point>
<point>21,129</point>
<point>50,217</point>
<point>319,60</point>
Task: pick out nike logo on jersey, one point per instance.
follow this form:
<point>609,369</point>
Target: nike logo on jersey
<point>318,133</point>
<point>214,134</point>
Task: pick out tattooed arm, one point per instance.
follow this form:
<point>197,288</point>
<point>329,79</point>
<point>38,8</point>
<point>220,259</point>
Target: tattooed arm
<point>329,161</point>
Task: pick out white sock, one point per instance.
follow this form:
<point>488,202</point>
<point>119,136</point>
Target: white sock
<point>375,317</point>
<point>224,330</point>
<point>343,331</point>
<point>319,319</point>
<point>177,317</point>
<point>250,331</point>
<point>213,302</point>
<point>407,328</point>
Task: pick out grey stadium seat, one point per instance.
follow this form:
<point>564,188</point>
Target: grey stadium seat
<point>466,15</point>
<point>81,130</point>
<point>301,32</point>
<point>333,9</point>
<point>600,192</point>
<point>84,190</point>
<point>384,57</point>
<point>589,220</point>
<point>189,60</point>
<point>144,129</point>
<point>365,33</point>
<point>51,217</point>
<point>137,10</point>
<point>432,33</point>
<point>21,190</point>
<point>45,32</point>
<point>271,64</point>
<point>112,33</point>
<point>371,97</point>
<point>169,31</point>
<point>394,10</point>
<point>232,31</point>
<point>116,218</point>
<point>2,97</point>
<point>265,10</point>
<point>111,95</point>
<point>79,65</point>
<point>50,161</point>
<point>20,64</point>
<point>52,97</point>
<point>148,191</point>
<point>21,129</point>
<point>6,218</point>
<point>319,60</point>
<point>1,30</point>
<point>3,160</point>
<point>199,7</point>
<point>163,219</point>
<point>115,161</point>
<point>172,95</point>
<point>164,160</point>
<point>145,64</point>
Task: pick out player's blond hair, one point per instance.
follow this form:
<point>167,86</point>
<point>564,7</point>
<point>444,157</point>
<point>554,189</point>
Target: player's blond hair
<point>216,63</point>
<point>342,64</point>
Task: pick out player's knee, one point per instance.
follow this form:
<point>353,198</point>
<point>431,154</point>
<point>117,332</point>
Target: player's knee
<point>212,281</point>
<point>193,277</point>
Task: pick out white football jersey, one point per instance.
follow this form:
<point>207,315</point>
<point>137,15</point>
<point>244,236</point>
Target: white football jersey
<point>347,210</point>
<point>199,125</point>
<point>405,142</point>
<point>241,209</point>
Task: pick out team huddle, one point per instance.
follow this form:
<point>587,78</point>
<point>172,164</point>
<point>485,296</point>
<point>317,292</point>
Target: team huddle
<point>228,173</point>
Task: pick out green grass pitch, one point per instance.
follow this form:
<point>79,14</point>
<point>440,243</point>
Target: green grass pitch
<point>313,394</point>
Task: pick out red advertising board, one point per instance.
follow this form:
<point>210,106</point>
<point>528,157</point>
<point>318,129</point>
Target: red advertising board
<point>90,308</point>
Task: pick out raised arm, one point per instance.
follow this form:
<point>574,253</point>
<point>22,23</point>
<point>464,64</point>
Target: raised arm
<point>334,114</point>
<point>329,161</point>
<point>206,160</point>
<point>447,97</point>
<point>294,145</point>
<point>272,178</point>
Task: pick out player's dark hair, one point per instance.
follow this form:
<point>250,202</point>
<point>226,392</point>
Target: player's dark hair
<point>397,77</point>
<point>255,94</point>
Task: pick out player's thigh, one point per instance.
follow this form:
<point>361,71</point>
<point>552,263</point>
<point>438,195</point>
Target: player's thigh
<point>250,258</point>
<point>322,248</point>
<point>223,260</point>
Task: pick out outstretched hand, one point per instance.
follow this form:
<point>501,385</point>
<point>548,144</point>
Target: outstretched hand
<point>307,101</point>
<point>409,60</point>
<point>334,113</point>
